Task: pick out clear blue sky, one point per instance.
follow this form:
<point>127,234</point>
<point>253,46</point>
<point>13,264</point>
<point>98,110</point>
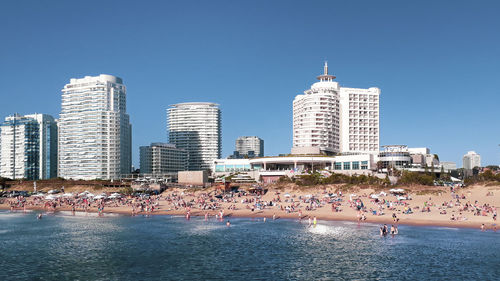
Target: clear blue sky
<point>436,63</point>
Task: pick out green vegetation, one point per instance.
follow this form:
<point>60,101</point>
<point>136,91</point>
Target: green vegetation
<point>487,176</point>
<point>317,178</point>
<point>416,178</point>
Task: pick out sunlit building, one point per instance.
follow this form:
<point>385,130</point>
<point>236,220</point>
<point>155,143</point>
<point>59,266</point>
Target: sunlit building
<point>95,137</point>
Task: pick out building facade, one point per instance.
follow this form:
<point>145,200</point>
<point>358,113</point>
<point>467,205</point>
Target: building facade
<point>471,160</point>
<point>249,146</point>
<point>48,137</point>
<point>28,147</point>
<point>336,119</point>
<point>162,158</point>
<point>196,128</point>
<point>316,116</point>
<point>95,138</point>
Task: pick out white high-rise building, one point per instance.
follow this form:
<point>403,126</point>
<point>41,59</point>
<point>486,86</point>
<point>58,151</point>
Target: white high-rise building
<point>332,119</point>
<point>196,128</point>
<point>28,147</point>
<point>471,160</point>
<point>95,137</point>
<point>360,117</point>
<point>250,146</point>
<point>19,148</point>
<point>316,116</point>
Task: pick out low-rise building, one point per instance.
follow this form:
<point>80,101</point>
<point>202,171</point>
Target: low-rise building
<point>162,158</point>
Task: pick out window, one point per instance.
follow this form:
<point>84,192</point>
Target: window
<point>338,165</point>
<point>355,165</point>
<point>347,165</point>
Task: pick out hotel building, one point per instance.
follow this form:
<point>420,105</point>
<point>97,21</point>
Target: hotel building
<point>196,128</point>
<point>249,146</point>
<point>28,147</point>
<point>331,119</point>
<point>471,160</point>
<point>162,158</point>
<point>95,137</point>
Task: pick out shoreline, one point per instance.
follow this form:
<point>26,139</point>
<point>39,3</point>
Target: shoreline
<point>261,214</point>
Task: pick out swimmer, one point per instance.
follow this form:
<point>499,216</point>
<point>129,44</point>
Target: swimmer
<point>39,217</point>
<point>393,230</point>
<point>264,219</point>
<point>381,231</point>
<point>482,227</point>
<point>228,223</point>
<point>274,216</point>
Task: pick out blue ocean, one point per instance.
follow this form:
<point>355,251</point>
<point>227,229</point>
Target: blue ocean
<point>65,246</point>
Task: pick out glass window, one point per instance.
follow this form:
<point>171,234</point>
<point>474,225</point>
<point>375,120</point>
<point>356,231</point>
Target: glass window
<point>347,165</point>
<point>355,165</point>
<point>338,165</point>
<point>219,168</point>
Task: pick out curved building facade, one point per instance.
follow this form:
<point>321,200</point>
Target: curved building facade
<point>316,115</point>
<point>196,128</point>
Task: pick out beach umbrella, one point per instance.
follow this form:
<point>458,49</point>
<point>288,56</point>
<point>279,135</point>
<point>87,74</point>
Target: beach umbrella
<point>374,196</point>
<point>287,195</point>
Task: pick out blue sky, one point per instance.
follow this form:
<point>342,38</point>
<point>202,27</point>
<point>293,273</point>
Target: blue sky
<point>436,63</point>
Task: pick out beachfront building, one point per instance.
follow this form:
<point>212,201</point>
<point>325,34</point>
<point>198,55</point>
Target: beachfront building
<point>249,147</point>
<point>270,169</point>
<point>28,147</point>
<point>316,114</point>
<point>95,137</point>
<point>471,160</point>
<point>162,158</point>
<point>394,156</point>
<point>196,128</point>
<point>330,119</point>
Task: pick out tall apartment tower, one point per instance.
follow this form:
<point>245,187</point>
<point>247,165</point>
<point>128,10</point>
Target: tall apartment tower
<point>28,147</point>
<point>95,135</point>
<point>196,128</point>
<point>330,118</point>
<point>250,146</point>
<point>471,160</point>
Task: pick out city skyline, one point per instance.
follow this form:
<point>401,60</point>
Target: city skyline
<point>438,87</point>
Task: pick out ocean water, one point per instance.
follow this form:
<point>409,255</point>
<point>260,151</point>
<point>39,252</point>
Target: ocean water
<point>63,246</point>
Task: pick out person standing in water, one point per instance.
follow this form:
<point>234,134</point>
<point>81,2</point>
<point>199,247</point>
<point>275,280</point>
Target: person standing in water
<point>206,216</point>
<point>314,221</point>
<point>228,224</point>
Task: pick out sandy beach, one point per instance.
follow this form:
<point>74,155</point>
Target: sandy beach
<point>438,206</point>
